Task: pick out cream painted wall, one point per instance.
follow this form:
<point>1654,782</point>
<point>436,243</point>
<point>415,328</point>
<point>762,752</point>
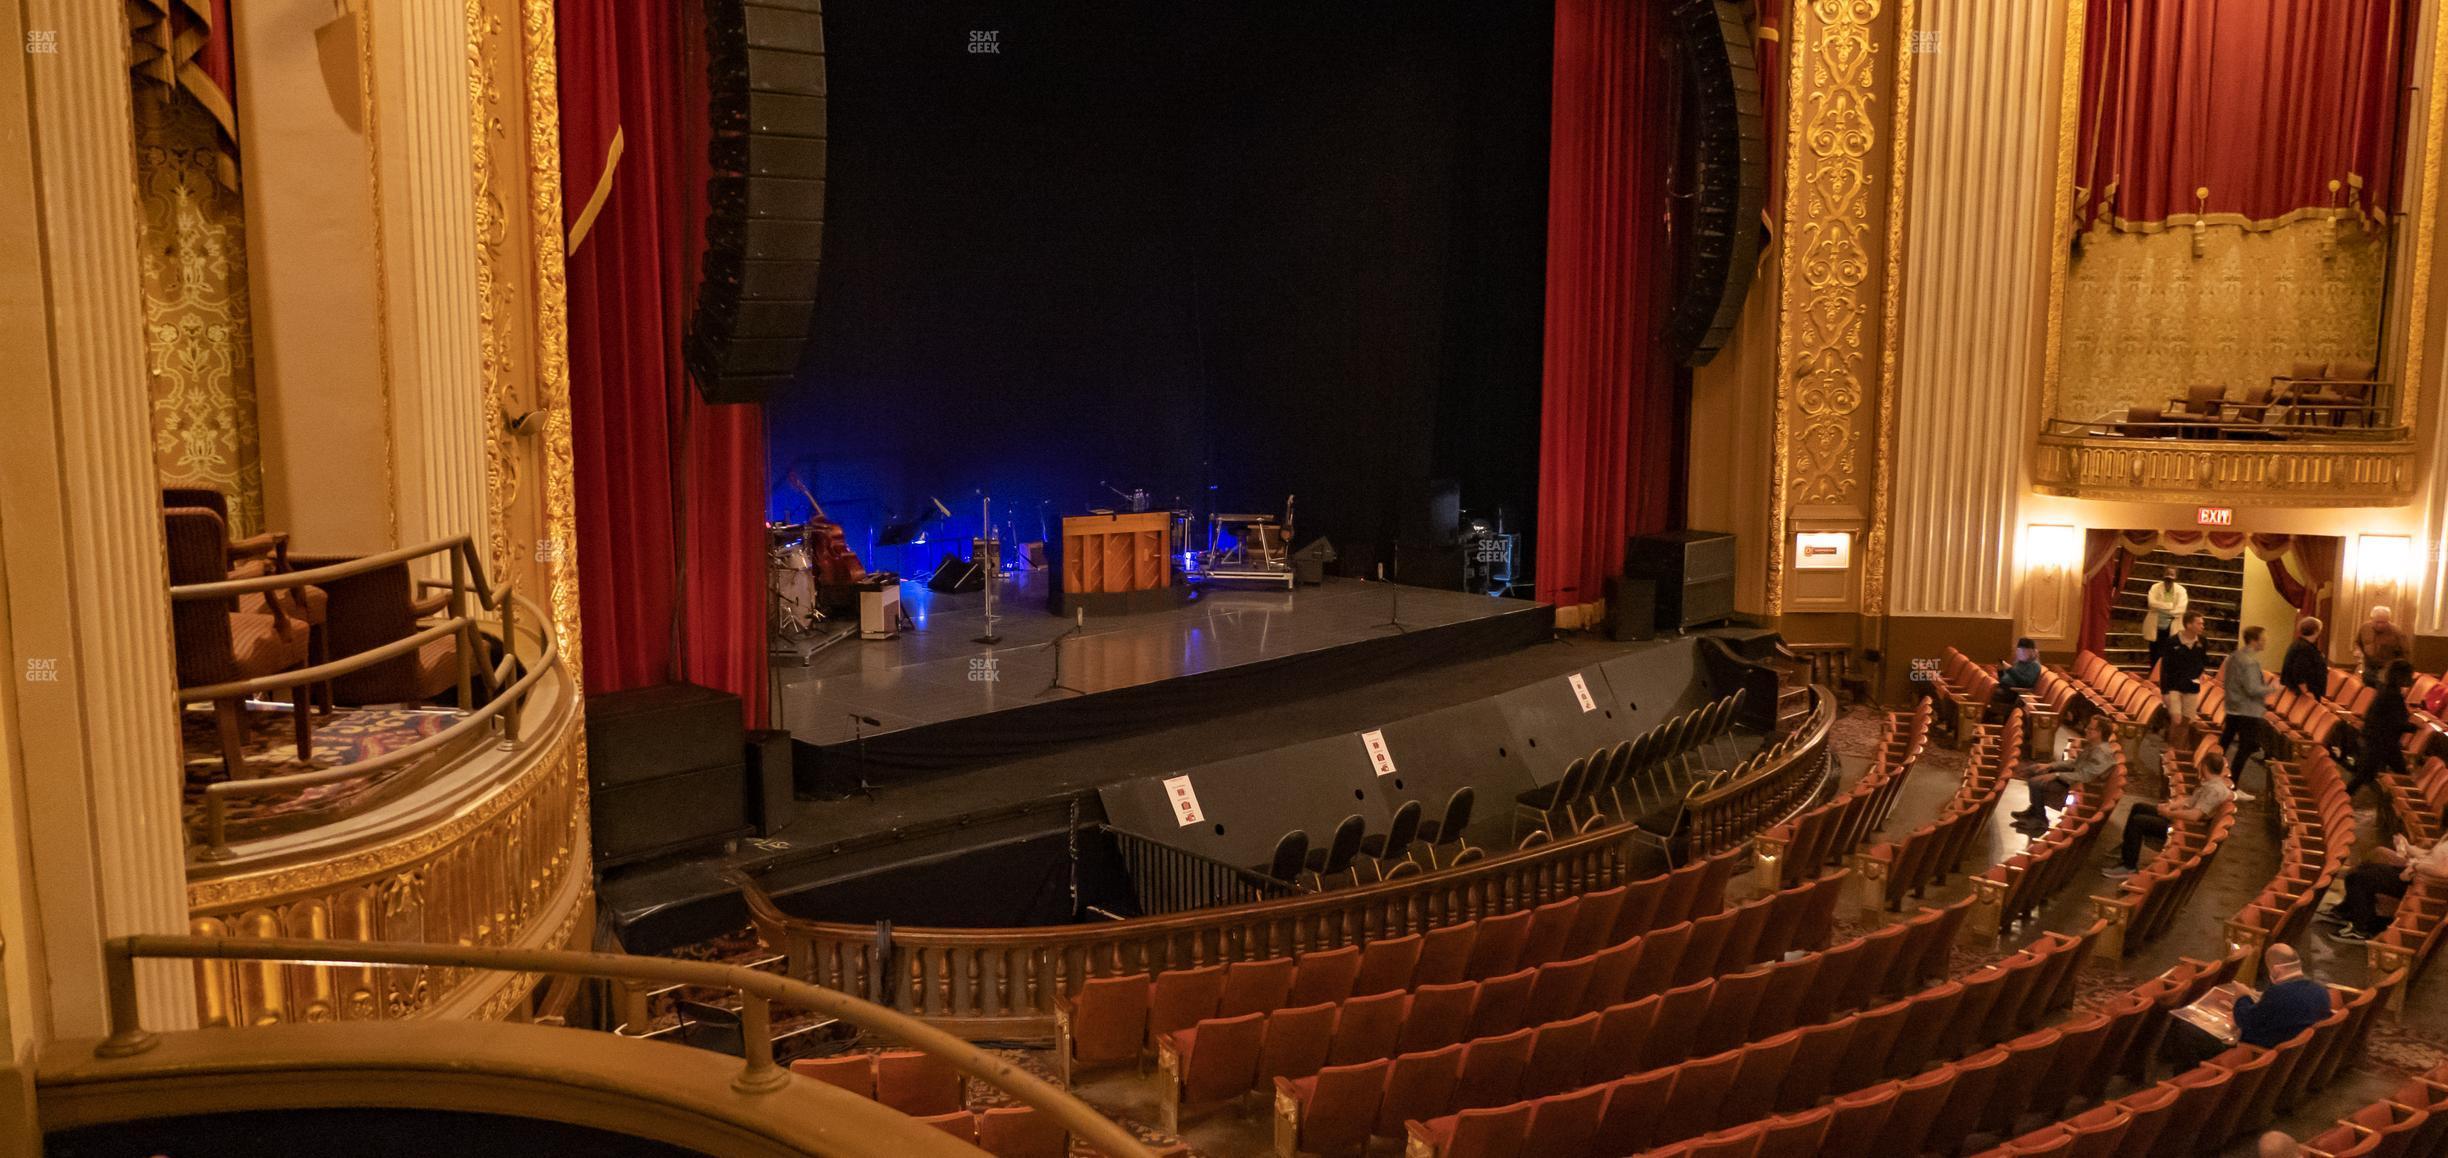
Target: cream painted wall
<point>2264,607</point>
<point>1733,405</point>
<point>21,329</point>
<point>321,381</point>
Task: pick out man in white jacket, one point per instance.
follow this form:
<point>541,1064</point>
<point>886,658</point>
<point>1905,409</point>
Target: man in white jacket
<point>2168,599</point>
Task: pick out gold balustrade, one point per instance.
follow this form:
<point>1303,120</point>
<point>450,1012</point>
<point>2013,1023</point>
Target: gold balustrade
<point>497,860</point>
<point>1001,983</point>
<point>2338,473</point>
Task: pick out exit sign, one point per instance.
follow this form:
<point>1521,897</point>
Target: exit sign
<point>2214,516</point>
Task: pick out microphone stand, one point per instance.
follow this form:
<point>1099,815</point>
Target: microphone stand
<point>1079,624</point>
<point>991,567</point>
<point>858,736</point>
<point>1393,603</point>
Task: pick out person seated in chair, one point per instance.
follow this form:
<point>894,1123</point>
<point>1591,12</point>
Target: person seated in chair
<point>2052,783</point>
<point>2148,822</point>
<point>2292,1003</point>
<point>2388,873</point>
<point>2014,677</point>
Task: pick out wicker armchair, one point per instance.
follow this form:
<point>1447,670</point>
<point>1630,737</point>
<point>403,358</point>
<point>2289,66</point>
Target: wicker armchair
<point>216,644</point>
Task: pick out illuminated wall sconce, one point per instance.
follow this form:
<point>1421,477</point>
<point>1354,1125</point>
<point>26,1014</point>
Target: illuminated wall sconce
<point>1823,551</point>
<point>2384,569</point>
<point>2052,572</point>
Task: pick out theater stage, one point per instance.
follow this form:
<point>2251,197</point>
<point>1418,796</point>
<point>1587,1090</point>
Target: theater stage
<point>941,701</point>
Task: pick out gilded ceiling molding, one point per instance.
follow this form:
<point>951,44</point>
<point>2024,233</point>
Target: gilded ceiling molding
<point>1827,307</point>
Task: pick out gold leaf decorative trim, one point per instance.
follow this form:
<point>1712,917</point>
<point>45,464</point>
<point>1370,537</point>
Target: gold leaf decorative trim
<point>1891,307</point>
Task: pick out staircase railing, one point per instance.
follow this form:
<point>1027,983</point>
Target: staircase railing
<point>1172,880</point>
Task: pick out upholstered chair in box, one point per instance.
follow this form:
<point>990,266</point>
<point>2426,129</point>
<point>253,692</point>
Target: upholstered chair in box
<point>217,645</point>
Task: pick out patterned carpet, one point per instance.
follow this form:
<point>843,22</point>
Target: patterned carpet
<point>347,736</point>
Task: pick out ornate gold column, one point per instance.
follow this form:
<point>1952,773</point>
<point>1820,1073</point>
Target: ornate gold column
<point>1849,87</point>
<point>88,703</point>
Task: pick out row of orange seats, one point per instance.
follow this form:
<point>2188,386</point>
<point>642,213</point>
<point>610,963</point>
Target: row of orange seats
<point>2132,701</point>
<point>1538,1011</point>
<point>1924,857</point>
<point>1747,1085</point>
<point>2411,1120</point>
<point>1111,1021</point>
<point>2316,845</point>
<point>2146,903</point>
<point>930,1089</point>
<point>1342,1106</point>
<point>2017,886</point>
<point>1806,845</point>
<point>2202,1110</point>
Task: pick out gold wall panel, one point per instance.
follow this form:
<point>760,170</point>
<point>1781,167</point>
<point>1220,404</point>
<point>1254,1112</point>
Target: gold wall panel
<point>199,338</point>
<point>1841,246</point>
<point>2145,317</point>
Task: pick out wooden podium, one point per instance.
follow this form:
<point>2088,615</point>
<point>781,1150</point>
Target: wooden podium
<point>1117,554</point>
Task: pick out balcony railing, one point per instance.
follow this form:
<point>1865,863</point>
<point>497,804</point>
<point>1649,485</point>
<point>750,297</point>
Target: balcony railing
<point>758,993</point>
<point>2321,467</point>
<point>474,609</point>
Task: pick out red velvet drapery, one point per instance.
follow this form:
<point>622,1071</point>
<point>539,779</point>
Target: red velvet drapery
<point>670,490</point>
<point>2262,102</point>
<point>1609,416</point>
<point>2106,566</point>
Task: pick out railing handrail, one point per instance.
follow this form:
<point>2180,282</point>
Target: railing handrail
<point>2077,428</point>
<point>757,988</point>
<point>512,695</point>
<point>1242,873</point>
<point>1290,908</point>
<point>364,564</point>
<point>507,702</point>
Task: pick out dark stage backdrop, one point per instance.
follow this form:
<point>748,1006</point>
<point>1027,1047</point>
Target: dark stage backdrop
<point>1226,252</point>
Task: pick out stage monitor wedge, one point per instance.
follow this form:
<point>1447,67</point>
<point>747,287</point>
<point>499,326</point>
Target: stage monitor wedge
<point>765,202</point>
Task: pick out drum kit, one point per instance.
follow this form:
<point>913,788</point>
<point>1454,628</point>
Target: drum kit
<point>811,575</point>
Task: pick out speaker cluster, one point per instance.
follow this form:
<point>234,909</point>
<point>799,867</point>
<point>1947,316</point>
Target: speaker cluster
<point>764,226</point>
<point>1726,151</point>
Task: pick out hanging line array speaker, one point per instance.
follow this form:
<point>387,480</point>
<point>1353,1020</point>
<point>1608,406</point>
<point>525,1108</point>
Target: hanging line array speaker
<point>765,74</point>
<point>1725,155</point>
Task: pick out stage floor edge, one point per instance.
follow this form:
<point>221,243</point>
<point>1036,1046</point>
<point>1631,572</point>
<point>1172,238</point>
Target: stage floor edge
<point>940,700</point>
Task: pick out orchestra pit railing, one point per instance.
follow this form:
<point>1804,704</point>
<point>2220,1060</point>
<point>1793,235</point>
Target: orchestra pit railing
<point>1001,983</point>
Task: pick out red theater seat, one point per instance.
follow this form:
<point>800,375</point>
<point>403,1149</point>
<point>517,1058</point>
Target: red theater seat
<point>1387,964</point>
<point>1254,986</point>
<point>1564,1124</point>
<point>854,1072</point>
<point>1418,1088</point>
<point>1295,1043</point>
<point>1104,1024</point>
<point>1370,1027</point>
<point>1497,948</point>
<point>1492,1069</point>
<point>1333,1110</point>
<point>1438,1016</point>
<point>1502,1002</point>
<point>960,1124</point>
<point>1325,975</point>
<point>1634,1106</point>
<point>918,1084</point>
<point>1182,998</point>
<point>1021,1132</point>
<point>1445,954</point>
<point>1558,1051</point>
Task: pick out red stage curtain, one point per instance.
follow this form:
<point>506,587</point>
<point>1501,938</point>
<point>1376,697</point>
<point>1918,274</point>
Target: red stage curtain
<point>670,490</point>
<point>1609,420</point>
<point>2263,102</point>
<point>2106,566</point>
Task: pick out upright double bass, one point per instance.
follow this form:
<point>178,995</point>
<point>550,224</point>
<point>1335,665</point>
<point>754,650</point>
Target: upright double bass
<point>829,554</point>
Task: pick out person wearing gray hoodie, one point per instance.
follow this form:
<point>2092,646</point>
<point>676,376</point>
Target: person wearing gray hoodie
<point>2248,690</point>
